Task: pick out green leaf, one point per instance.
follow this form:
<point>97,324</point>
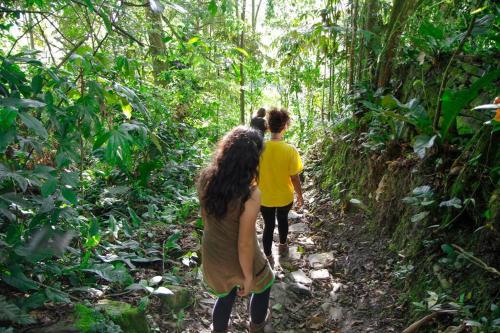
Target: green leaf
<point>21,103</point>
<point>136,221</point>
<point>57,296</point>
<point>242,51</point>
<point>90,5</point>
<point>34,124</point>
<point>422,144</point>
<point>107,21</point>
<point>212,7</point>
<point>193,40</point>
<point>70,196</point>
<point>49,187</point>
<point>419,217</point>
<point>422,190</point>
<point>453,202</point>
<point>10,312</point>
<point>127,110</point>
<point>35,301</point>
<point>101,139</point>
<point>478,10</point>
<point>110,273</point>
<point>454,102</point>
<point>156,141</point>
<point>156,6</point>
<point>16,278</point>
<point>389,102</point>
<point>36,84</point>
<point>448,249</point>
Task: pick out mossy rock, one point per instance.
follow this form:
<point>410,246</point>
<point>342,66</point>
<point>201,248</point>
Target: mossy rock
<point>130,319</point>
<point>174,298</point>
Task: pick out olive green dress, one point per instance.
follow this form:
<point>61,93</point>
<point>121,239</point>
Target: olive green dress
<point>221,267</point>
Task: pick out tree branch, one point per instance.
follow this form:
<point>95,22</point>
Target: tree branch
<point>116,26</point>
<point>58,31</point>
<point>20,11</point>
<point>130,4</point>
<point>48,44</point>
<point>23,34</point>
<point>70,53</point>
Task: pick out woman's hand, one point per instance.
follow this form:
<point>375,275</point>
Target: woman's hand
<point>298,189</point>
<point>247,287</point>
<point>300,202</point>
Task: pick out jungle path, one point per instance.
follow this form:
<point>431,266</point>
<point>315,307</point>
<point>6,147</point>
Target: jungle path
<point>336,278</point>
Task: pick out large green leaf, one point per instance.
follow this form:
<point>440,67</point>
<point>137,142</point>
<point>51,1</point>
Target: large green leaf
<point>49,187</point>
<point>10,312</point>
<point>70,196</point>
<point>422,144</point>
<point>454,102</point>
<point>16,278</point>
<point>110,273</point>
<point>21,103</point>
<point>34,124</point>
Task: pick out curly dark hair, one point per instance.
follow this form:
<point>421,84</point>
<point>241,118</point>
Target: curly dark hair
<point>277,119</point>
<point>230,174</point>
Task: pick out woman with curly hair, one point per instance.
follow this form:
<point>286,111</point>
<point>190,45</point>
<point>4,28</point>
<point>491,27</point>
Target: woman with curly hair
<point>279,170</point>
<point>233,263</point>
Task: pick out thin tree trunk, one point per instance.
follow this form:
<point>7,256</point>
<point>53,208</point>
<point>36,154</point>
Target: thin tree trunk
<point>32,37</point>
<point>400,12</point>
<point>253,16</point>
<point>157,46</point>
<point>373,27</point>
<point>242,73</point>
<point>323,92</point>
<point>361,54</point>
<point>354,15</point>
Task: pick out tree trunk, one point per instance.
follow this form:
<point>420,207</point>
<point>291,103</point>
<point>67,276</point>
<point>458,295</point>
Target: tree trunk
<point>371,26</point>
<point>361,54</point>
<point>400,12</point>
<point>156,46</point>
<point>242,73</point>
<point>354,15</point>
<point>323,92</point>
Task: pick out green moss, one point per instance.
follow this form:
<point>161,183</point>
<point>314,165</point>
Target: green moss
<point>130,319</point>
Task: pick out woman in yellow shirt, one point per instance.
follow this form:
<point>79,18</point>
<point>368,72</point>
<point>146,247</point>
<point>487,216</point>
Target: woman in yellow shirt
<point>279,169</point>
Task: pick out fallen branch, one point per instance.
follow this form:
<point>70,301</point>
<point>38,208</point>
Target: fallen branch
<point>475,260</point>
<point>423,321</point>
<point>419,323</point>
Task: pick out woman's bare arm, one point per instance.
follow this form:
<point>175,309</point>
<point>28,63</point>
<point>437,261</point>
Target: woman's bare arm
<point>297,186</point>
<point>246,239</point>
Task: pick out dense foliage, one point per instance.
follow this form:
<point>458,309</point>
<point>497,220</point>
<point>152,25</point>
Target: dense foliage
<point>108,108</point>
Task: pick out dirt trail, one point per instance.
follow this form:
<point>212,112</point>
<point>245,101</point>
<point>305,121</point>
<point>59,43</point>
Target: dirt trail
<point>337,278</point>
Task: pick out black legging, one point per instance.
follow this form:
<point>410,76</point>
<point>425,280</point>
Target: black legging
<point>222,309</point>
<point>269,214</point>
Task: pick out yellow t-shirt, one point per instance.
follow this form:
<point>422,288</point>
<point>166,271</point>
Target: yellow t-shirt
<point>278,162</point>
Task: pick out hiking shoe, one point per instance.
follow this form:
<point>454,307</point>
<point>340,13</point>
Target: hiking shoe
<point>264,327</point>
<point>271,260</point>
<point>283,249</point>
